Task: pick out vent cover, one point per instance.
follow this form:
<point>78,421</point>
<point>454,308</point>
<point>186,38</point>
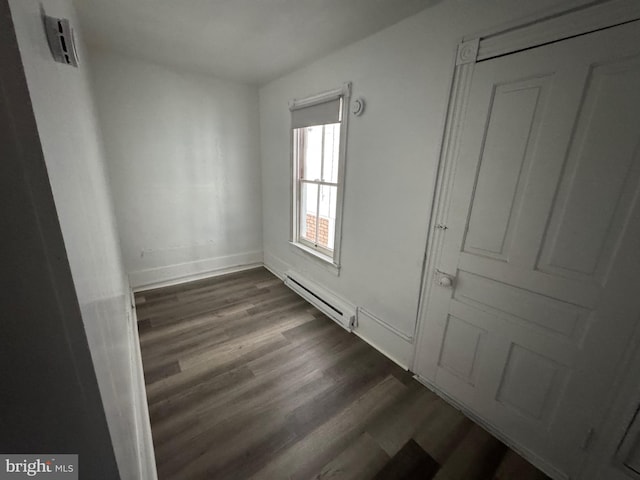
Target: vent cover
<point>336,309</point>
<point>61,40</point>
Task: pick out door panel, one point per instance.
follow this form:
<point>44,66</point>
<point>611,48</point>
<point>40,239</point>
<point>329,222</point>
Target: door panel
<point>523,307</point>
<point>529,384</point>
<point>516,110</point>
<point>461,345</point>
<point>588,213</point>
<point>543,240</point>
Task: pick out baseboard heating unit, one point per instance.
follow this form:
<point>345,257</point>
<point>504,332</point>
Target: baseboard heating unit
<point>334,308</point>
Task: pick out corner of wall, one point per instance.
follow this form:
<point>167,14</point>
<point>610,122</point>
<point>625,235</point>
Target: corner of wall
<point>144,440</point>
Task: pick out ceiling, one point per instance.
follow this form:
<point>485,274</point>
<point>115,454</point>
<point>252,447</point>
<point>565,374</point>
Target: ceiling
<point>251,41</point>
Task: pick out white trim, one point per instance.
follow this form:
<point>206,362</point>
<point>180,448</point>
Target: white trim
<point>323,260</point>
<point>468,51</point>
<point>461,84</point>
<point>535,460</point>
<point>276,265</point>
<point>274,272</point>
<point>345,93</point>
<point>190,271</point>
<point>560,9</point>
<point>342,170</point>
<point>391,328</point>
<point>446,120</point>
<point>371,340</point>
<point>144,440</point>
<point>377,333</point>
<point>557,27</point>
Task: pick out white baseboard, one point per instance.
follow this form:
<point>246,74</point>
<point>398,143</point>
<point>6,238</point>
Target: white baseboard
<point>277,274</point>
<point>190,271</point>
<point>146,452</point>
<point>377,333</point>
<point>276,265</point>
<point>365,314</point>
<point>527,454</point>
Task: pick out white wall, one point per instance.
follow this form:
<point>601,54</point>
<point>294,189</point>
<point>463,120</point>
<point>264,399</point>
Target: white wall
<point>182,154</point>
<point>66,121</point>
<point>404,73</point>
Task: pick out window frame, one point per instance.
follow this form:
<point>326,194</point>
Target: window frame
<point>331,259</point>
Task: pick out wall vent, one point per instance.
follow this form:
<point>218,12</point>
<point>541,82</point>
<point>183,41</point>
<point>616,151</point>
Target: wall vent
<point>61,40</point>
<point>333,307</point>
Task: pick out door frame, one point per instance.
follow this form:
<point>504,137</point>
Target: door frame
<point>507,39</point>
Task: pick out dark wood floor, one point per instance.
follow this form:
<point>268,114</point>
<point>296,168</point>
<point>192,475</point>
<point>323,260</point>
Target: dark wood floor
<point>246,380</point>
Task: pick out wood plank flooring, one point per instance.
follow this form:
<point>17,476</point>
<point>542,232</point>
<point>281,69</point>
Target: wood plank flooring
<point>245,380</point>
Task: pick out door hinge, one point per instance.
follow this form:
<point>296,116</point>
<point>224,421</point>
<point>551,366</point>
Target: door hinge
<point>353,322</point>
<point>588,438</point>
<point>439,226</point>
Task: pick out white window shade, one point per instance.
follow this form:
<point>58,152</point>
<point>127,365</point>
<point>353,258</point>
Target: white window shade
<point>323,113</point>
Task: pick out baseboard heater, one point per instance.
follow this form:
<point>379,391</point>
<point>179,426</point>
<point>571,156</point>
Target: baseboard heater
<point>327,303</point>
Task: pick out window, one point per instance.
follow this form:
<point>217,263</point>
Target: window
<point>318,144</point>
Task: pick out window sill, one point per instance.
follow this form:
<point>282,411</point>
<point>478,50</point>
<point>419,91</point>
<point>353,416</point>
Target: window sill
<point>323,260</point>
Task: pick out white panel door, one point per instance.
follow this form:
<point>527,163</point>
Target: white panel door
<point>543,243</point>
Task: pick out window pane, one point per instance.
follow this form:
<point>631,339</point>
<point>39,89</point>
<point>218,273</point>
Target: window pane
<point>312,152</point>
<point>331,153</point>
<point>308,211</point>
<point>327,216</point>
